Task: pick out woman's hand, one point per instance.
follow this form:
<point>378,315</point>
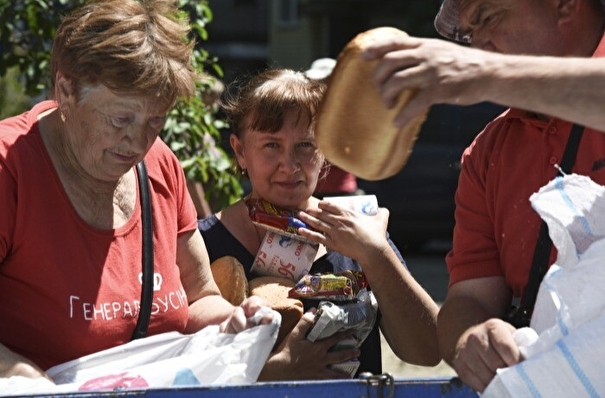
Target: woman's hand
<point>13,364</point>
<point>408,313</point>
<point>243,317</point>
<point>350,233</point>
<point>300,359</point>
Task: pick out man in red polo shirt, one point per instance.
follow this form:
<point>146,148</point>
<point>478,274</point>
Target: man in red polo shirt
<point>496,228</point>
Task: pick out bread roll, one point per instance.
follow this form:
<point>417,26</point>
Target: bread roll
<point>274,290</point>
<point>231,279</point>
<point>355,130</point>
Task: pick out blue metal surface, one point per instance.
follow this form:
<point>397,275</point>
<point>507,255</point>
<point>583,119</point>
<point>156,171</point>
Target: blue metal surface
<point>433,387</point>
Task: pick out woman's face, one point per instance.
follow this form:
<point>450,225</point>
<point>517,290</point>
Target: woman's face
<point>106,134</point>
<point>283,167</point>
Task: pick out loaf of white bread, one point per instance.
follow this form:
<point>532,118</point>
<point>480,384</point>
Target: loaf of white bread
<point>355,129</point>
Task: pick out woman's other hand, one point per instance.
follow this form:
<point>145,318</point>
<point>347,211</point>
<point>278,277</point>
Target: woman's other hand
<point>300,359</point>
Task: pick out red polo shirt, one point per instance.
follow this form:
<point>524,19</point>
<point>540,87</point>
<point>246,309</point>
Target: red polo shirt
<point>496,227</point>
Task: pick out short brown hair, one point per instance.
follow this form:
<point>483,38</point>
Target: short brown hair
<point>264,101</point>
<point>134,47</point>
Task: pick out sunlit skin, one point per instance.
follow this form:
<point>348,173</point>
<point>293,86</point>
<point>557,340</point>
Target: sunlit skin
<point>283,166</point>
<point>106,134</point>
<point>512,26</point>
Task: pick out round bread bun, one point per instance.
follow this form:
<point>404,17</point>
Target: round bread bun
<point>355,129</point>
<point>230,278</point>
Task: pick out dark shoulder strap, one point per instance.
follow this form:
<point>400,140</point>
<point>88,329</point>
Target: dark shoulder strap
<point>147,280</point>
<point>541,257</point>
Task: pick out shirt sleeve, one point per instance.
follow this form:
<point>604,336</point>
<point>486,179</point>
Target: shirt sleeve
<point>474,251</point>
<point>171,182</point>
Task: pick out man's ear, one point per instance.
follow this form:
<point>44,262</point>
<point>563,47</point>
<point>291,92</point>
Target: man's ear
<point>238,149</point>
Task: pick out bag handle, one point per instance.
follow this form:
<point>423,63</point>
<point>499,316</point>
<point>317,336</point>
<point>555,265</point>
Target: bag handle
<point>147,279</point>
<point>521,316</point>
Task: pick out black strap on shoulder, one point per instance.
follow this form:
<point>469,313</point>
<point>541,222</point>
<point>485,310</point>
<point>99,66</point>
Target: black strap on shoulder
<point>540,262</point>
<point>147,279</point>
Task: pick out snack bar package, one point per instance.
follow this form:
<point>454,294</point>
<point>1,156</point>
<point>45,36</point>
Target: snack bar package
<point>339,286</point>
<point>281,220</point>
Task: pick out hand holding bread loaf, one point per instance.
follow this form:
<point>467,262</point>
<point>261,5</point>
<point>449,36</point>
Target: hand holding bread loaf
<point>355,130</point>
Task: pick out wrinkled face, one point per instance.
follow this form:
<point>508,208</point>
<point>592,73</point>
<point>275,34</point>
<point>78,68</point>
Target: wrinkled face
<point>512,26</point>
<point>107,134</point>
<point>283,167</point>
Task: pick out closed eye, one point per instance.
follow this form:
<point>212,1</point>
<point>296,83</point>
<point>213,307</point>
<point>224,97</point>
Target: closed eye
<point>157,122</point>
<point>487,20</point>
<point>120,122</point>
<point>482,17</point>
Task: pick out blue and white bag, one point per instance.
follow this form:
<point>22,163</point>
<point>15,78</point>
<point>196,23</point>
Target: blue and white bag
<point>564,346</point>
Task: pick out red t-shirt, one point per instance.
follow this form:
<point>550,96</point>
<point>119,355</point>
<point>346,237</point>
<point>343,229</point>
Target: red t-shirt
<point>496,228</point>
<point>68,289</point>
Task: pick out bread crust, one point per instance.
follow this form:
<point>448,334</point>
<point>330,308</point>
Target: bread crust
<point>354,129</point>
<point>274,290</point>
<point>230,278</point>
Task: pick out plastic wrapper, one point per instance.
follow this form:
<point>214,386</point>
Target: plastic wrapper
<point>359,315</point>
<point>338,287</point>
<point>284,256</point>
<point>279,219</point>
<point>345,304</point>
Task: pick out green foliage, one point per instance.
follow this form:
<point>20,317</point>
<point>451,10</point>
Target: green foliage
<point>12,98</point>
<point>192,130</point>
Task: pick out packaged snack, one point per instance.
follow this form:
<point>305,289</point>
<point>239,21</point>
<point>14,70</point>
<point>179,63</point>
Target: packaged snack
<point>359,315</point>
<point>281,220</point>
<point>284,256</point>
<point>340,286</point>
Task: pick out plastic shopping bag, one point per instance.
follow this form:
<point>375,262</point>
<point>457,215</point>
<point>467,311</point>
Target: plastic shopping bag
<point>565,344</point>
<point>172,359</point>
